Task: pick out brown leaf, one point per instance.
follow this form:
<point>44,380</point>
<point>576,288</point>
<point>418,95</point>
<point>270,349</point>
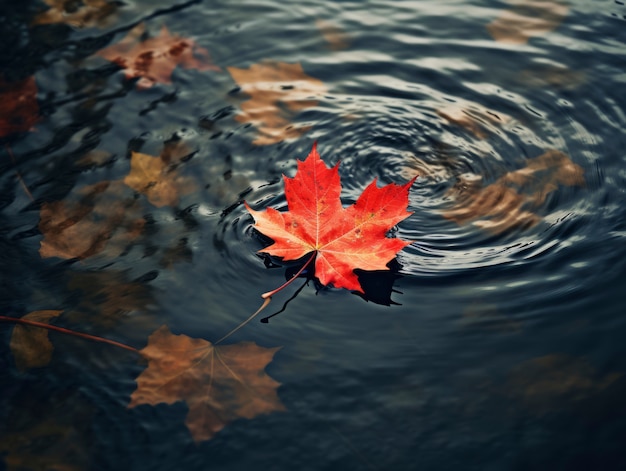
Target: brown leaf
<point>506,203</point>
<point>277,90</point>
<point>154,59</point>
<point>77,13</point>
<point>527,19</point>
<point>104,216</point>
<point>157,178</point>
<point>30,345</point>
<point>19,110</point>
<point>218,383</point>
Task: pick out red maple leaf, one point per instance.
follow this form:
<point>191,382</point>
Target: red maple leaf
<point>342,238</point>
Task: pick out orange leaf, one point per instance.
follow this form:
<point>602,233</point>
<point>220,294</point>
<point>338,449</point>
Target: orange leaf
<point>276,91</point>
<point>218,383</point>
<point>19,110</point>
<point>343,238</point>
<point>30,345</point>
<point>155,59</point>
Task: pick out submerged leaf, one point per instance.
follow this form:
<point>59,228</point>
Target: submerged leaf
<point>343,238</point>
<point>78,13</point>
<point>548,382</point>
<point>154,60</point>
<point>99,217</point>
<point>527,19</point>
<point>277,90</point>
<point>336,38</point>
<point>30,345</point>
<point>157,177</point>
<point>473,117</point>
<point>507,202</point>
<point>219,383</point>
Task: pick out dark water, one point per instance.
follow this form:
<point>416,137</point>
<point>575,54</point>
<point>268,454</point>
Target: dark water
<point>506,350</point>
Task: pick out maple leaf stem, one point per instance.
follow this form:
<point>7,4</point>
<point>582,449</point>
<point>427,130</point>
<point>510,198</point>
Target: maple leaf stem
<point>269,294</point>
<point>67,331</point>
<point>268,297</point>
<point>263,306</point>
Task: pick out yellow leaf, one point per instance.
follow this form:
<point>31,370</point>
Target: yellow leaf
<point>157,178</point>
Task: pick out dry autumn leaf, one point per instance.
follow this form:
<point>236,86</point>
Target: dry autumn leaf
<point>342,239</point>
<point>505,203</point>
<point>157,177</point>
<point>527,19</point>
<point>19,110</point>
<point>154,60</point>
<point>218,383</point>
<point>77,13</point>
<point>277,90</point>
<point>99,218</point>
<point>30,345</point>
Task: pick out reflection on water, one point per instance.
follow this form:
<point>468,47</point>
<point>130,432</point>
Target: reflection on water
<point>132,131</point>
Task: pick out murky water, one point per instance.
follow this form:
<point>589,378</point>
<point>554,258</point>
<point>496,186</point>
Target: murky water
<point>503,344</point>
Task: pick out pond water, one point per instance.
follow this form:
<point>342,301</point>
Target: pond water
<point>500,345</point>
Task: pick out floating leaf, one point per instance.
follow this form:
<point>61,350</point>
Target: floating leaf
<point>77,13</point>
<point>30,345</point>
<point>277,90</point>
<point>527,19</point>
<point>157,177</point>
<point>19,110</point>
<point>154,60</point>
<point>505,203</point>
<point>100,217</point>
<point>218,383</point>
<point>343,238</point>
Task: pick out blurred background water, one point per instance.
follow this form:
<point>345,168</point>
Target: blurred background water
<point>501,345</point>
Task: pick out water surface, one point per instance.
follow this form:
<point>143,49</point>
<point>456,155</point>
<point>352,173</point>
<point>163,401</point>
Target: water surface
<point>503,347</point>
